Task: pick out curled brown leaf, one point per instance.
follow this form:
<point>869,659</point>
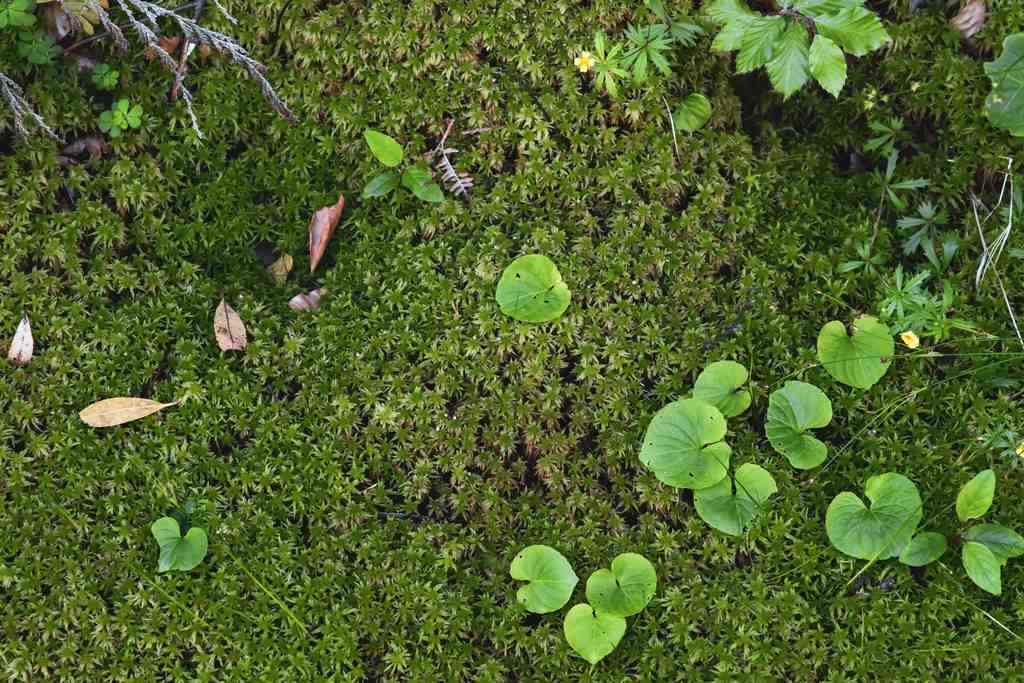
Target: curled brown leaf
<point>307,302</point>
<point>22,346</point>
<point>228,328</point>
<point>321,228</point>
<point>971,18</point>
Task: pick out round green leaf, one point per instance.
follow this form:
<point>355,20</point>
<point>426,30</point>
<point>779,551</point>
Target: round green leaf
<point>177,553</point>
<point>531,289</point>
<point>381,185</point>
<point>593,634</point>
<point>683,445</point>
<point>551,578</point>
<point>384,147</point>
<point>983,567</point>
<point>1004,543</point>
<point>1007,75</point>
<point>975,498</point>
<point>626,589</point>
<point>923,549</point>
<point>693,113</point>
<point>721,384</point>
<point>732,512</point>
<point>884,529</point>
<point>792,410</point>
<point>859,358</point>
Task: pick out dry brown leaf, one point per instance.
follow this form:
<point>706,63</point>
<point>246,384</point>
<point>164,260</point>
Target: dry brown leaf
<point>94,145</point>
<point>228,328</point>
<point>307,302</point>
<point>321,227</point>
<point>169,45</point>
<point>971,18</point>
<point>57,21</point>
<point>22,345</point>
<point>280,268</point>
<point>111,412</point>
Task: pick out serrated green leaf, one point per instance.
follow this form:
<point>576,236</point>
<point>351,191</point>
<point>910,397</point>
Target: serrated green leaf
<point>788,69</point>
<point>855,29</point>
<point>693,113</point>
<point>827,64</point>
<point>759,41</point>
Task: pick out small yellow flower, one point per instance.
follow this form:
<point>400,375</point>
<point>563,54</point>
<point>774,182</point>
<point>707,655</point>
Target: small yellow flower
<point>1020,450</point>
<point>914,86</point>
<point>584,62</point>
<point>910,339</point>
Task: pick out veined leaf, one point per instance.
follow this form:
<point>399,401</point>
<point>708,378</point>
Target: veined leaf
<point>1005,104</point>
<point>116,411</point>
<point>855,29</point>
<point>827,64</point>
<point>788,69</point>
<point>759,40</point>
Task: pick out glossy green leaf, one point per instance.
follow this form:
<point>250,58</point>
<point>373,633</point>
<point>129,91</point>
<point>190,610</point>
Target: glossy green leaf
<point>1004,106</point>
<point>684,445</point>
<point>722,385</point>
<point>788,69</point>
<point>381,185</point>
<point>827,64</point>
<point>625,589</point>
<point>1002,542</point>
<point>855,29</point>
<point>384,147</point>
<point>793,410</point>
<point>551,578</point>
<point>859,357</point>
<point>881,531</point>
<point>531,289</point>
<point>693,113</point>
<point>983,567</point>
<point>178,553</point>
<point>732,511</point>
<point>594,635</point>
<point>923,549</point>
<point>975,498</point>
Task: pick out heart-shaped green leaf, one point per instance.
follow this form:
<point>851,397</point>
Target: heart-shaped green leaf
<point>693,113</point>
<point>881,531</point>
<point>975,498</point>
<point>683,445</point>
<point>732,512</point>
<point>792,410</point>
<point>1004,543</point>
<point>551,578</point>
<point>177,553</point>
<point>721,384</point>
<point>384,147</point>
<point>625,589</point>
<point>983,567</point>
<point>858,358</point>
<point>593,634</point>
<point>923,549</point>
<point>531,289</point>
<point>1003,105</point>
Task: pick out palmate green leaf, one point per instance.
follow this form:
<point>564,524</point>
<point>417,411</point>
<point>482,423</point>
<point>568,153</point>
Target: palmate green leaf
<point>17,13</point>
<point>531,290</point>
<point>384,147</point>
<point>683,445</point>
<point>1004,106</point>
<point>793,410</point>
<point>827,65</point>
<point>859,358</point>
<point>923,549</point>
<point>732,511</point>
<point>881,531</point>
<point>757,46</point>
<point>593,635</point>
<point>551,578</point>
<point>975,498</point>
<point>789,70</point>
<point>178,553</point>
<point>625,589</point>
<point>721,384</point>
<point>855,29</point>
<point>983,567</point>
<point>693,113</point>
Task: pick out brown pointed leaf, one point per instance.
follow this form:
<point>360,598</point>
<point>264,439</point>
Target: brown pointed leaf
<point>228,328</point>
<point>971,18</point>
<point>280,268</point>
<point>321,227</point>
<point>111,412</point>
<point>307,302</point>
<point>22,345</point>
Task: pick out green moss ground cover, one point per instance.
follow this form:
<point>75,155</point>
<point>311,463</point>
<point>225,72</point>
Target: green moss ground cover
<point>375,465</point>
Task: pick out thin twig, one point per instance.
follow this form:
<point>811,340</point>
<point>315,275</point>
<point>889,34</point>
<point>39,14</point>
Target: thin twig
<point>672,122</point>
<point>186,50</point>
<point>103,34</point>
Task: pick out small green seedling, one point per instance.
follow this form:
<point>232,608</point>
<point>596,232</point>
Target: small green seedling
<point>793,410</point>
<point>120,117</point>
<point>177,552</point>
<point>722,384</point>
<point>986,547</point>
<point>592,634</point>
<point>37,47</point>
<point>693,113</point>
<point>625,589</point>
<point>531,290</point>
<point>17,13</point>
<point>859,355</point>
<point>1007,75</point>
<point>105,77</point>
<point>551,579</point>
<point>684,445</point>
<point>416,178</point>
<point>881,531</point>
<point>732,512</point>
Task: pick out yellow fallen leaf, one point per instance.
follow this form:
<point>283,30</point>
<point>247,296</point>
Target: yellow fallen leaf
<point>111,412</point>
<point>228,328</point>
<point>280,268</point>
<point>22,345</point>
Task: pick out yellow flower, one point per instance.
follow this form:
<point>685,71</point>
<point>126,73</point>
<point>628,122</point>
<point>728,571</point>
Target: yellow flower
<point>910,339</point>
<point>584,62</point>
<point>1020,449</point>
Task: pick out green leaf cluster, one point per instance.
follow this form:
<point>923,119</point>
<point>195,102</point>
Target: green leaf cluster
<point>416,178</point>
<point>120,117</point>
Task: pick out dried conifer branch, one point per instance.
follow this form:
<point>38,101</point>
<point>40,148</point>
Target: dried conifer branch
<point>14,98</point>
<point>457,183</point>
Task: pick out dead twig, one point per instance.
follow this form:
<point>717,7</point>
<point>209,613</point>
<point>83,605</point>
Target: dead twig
<point>457,183</point>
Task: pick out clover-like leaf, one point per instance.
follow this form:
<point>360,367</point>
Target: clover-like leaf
<point>551,578</point>
<point>732,512</point>
<point>1004,543</point>
<point>721,384</point>
<point>975,498</point>
<point>923,549</point>
<point>983,567</point>
<point>384,147</point>
<point>859,357</point>
<point>881,531</point>
<point>625,589</point>
<point>17,13</point>
<point>178,553</point>
<point>792,410</point>
<point>693,113</point>
<point>684,445</point>
<point>531,290</point>
<point>1005,104</point>
<point>594,635</point>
